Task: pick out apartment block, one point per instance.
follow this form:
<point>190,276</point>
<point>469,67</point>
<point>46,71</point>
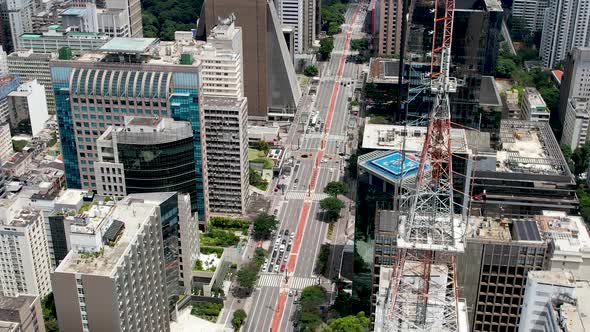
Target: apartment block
<point>311,24</point>
<point>3,62</point>
<point>291,15</point>
<point>530,12</point>
<point>493,270</point>
<point>533,106</point>
<point>390,26</point>
<point>574,82</point>
<point>126,274</point>
<point>21,314</point>
<point>8,84</point>
<point>146,155</point>
<point>225,117</point>
<point>20,14</point>
<point>6,150</point>
<point>126,77</point>
<point>23,249</point>
<point>577,117</point>
<point>565,27</point>
<point>132,8</point>
<point>28,108</point>
<point>30,66</point>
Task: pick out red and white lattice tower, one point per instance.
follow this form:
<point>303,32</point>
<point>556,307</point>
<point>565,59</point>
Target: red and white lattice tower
<point>423,292</point>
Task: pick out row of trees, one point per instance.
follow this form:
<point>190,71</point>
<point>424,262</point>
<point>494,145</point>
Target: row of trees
<point>332,205</point>
<point>246,277</point>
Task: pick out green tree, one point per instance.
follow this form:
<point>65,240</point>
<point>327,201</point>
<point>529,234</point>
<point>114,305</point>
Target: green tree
<point>238,319</point>
<point>263,146</point>
<point>580,158</point>
<point>342,304</point>
<point>49,313</point>
<point>332,207</point>
<point>335,188</point>
<point>312,296</point>
<point>360,44</point>
<point>311,71</point>
<point>246,277</point>
<point>358,323</point>
<point>259,256</point>
<point>323,257</point>
<point>257,181</point>
<point>263,226</point>
<point>333,28</point>
<point>326,47</point>
<point>505,67</point>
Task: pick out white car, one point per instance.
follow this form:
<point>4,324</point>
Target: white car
<point>290,241</point>
<point>277,268</point>
<point>292,235</point>
<point>282,248</point>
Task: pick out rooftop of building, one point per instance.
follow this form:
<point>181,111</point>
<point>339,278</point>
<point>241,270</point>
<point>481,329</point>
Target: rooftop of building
<point>23,218</point>
<point>93,220</point>
<point>221,102</point>
<point>73,11</point>
<point>30,55</point>
<point>134,216</point>
<point>529,147</point>
<point>533,97</point>
<point>390,165</point>
<point>383,70</point>
<point>143,121</point>
<point>148,130</point>
<point>129,45</point>
<point>392,137</point>
<point>558,74</point>
<point>70,197</point>
<point>562,278</point>
<point>10,303</point>
<point>504,229</point>
<point>568,233</point>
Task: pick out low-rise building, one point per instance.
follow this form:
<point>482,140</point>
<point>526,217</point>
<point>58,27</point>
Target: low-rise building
<point>533,106</point>
<point>511,106</point>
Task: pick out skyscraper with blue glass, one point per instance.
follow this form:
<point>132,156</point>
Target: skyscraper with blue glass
<point>125,77</point>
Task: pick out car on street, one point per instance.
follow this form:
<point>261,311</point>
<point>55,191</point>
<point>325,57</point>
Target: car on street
<point>292,235</point>
<point>286,232</point>
<point>278,260</point>
<point>283,268</point>
<point>276,268</point>
<point>290,241</point>
<point>289,248</point>
<point>274,254</point>
<point>285,259</point>
<point>282,248</point>
<point>265,261</point>
<point>284,242</point>
<point>270,267</point>
<point>291,293</point>
<point>275,212</point>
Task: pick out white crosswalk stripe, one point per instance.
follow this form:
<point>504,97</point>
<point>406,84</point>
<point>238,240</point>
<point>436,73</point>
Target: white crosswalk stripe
<point>302,282</point>
<point>303,195</point>
<point>270,280</point>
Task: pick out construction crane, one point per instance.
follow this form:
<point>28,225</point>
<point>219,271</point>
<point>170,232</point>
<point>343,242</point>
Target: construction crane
<point>423,292</point>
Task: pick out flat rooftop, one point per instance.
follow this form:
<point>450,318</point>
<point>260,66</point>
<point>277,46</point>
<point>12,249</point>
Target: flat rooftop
<point>129,45</point>
<point>392,137</point>
<point>134,215</point>
<point>563,278</point>
<point>529,147</point>
<point>383,70</point>
<point>70,197</point>
<point>387,165</point>
<point>533,97</point>
<point>73,12</point>
<point>568,233</point>
<point>488,93</point>
<point>504,229</point>
<point>10,303</point>
<point>143,121</point>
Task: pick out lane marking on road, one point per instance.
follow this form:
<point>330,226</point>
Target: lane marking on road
<point>276,322</point>
<point>298,236</point>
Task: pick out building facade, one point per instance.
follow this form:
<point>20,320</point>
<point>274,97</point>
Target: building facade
<point>225,117</point>
<point>97,90</point>
<point>24,251</point>
<point>28,108</point>
<point>565,26</point>
<point>6,150</point>
<point>533,106</point>
<point>29,66</point>
<point>390,26</point>
<point>576,73</point>
<point>291,15</point>
<point>126,274</point>
<point>577,117</point>
<point>530,12</point>
<point>146,155</point>
<point>20,14</point>
<point>52,40</point>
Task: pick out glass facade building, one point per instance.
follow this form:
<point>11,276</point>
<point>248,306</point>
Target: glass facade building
<point>93,95</point>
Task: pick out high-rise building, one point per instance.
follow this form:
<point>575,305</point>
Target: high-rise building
<point>146,154</point>
<point>565,26</point>
<point>24,252</point>
<point>132,8</point>
<point>225,115</point>
<point>270,83</point>
<point>291,15</point>
<point>577,118</point>
<point>21,314</point>
<point>126,77</point>
<point>390,26</point>
<point>54,39</point>
<point>3,62</point>
<point>20,14</point>
<point>126,273</point>
<point>8,84</point>
<point>27,107</point>
<point>530,13</point>
<point>573,82</point>
<point>311,24</point>
<point>29,66</point>
<point>533,106</point>
<point>493,270</point>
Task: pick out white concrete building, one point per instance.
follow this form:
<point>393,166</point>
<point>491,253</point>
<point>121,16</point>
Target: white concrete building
<point>225,117</point>
<point>29,66</point>
<point>3,62</point>
<point>565,26</point>
<point>127,274</point>
<point>6,150</point>
<point>20,13</point>
<point>575,81</point>
<point>52,40</point>
<point>29,104</point>
<point>133,10</point>
<point>531,12</point>
<point>533,106</point>
<point>23,252</point>
<point>577,117</point>
<point>291,15</point>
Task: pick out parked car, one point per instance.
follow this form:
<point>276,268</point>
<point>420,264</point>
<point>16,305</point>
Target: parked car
<point>283,268</point>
